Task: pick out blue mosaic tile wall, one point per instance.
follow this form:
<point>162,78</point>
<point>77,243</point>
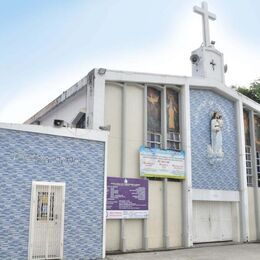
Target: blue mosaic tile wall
<point>222,175</point>
<point>79,163</point>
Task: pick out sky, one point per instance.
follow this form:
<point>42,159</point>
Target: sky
<point>47,46</point>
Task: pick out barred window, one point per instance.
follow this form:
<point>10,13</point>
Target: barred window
<point>258,167</point>
<point>249,170</point>
<point>257,143</point>
<point>154,140</point>
<point>42,206</point>
<point>173,141</point>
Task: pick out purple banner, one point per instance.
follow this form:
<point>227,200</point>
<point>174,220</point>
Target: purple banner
<point>127,194</point>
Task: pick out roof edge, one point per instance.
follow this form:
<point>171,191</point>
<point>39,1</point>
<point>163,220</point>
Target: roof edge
<point>61,98</point>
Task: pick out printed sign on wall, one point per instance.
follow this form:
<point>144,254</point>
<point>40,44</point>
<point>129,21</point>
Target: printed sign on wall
<point>162,163</point>
<point>127,198</point>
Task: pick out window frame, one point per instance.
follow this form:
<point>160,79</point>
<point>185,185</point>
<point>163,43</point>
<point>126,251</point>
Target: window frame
<point>249,166</point>
<point>164,129</point>
<point>45,210</point>
<point>258,167</point>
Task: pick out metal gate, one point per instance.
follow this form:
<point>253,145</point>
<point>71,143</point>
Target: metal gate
<point>46,220</point>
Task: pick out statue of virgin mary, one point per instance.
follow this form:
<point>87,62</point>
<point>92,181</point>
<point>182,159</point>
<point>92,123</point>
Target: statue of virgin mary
<point>216,148</point>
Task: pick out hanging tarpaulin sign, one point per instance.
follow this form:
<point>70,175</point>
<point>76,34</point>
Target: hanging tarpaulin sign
<point>127,198</point>
<point>162,163</point>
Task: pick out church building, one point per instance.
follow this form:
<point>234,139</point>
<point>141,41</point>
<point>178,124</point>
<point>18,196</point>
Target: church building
<point>193,139</point>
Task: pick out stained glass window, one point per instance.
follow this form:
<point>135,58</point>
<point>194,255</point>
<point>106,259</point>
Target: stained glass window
<point>247,127</point>
<point>156,110</point>
<point>172,110</point>
<point>153,117</point>
<point>173,126</point>
<point>257,133</point>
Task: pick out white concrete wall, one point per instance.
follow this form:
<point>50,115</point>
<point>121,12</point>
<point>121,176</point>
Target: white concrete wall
<point>112,235</point>
<point>66,111</point>
<point>236,222</point>
<point>251,213</point>
<point>113,113</point>
<point>133,234</point>
<point>134,128</point>
<point>134,139</point>
<point>155,220</point>
<point>134,122</point>
<point>175,213</point>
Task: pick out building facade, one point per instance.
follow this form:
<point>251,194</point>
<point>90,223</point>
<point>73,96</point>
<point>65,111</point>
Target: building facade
<point>216,127</point>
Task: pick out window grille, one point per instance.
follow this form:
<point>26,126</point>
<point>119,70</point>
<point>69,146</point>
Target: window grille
<point>249,170</point>
<point>42,206</point>
<point>154,140</point>
<point>258,167</point>
<point>173,141</point>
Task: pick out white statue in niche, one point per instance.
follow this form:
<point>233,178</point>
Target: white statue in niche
<point>215,150</point>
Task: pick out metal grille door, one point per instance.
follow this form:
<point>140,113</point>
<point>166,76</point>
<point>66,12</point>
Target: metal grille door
<point>47,221</point>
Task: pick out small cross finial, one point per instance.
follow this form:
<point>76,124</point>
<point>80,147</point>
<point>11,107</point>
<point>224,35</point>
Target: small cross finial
<point>213,64</point>
<point>206,15</point>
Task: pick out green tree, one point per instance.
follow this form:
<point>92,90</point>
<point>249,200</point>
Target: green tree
<point>253,91</point>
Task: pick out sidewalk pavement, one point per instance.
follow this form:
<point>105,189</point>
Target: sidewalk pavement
<point>249,251</point>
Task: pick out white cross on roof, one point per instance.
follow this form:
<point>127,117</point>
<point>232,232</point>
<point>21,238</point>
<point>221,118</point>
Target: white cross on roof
<point>206,15</point>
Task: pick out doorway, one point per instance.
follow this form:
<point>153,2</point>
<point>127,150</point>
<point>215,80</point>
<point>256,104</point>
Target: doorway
<point>46,220</point>
<point>212,221</point>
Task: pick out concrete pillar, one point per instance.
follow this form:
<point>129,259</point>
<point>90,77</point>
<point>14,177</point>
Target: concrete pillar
<point>244,222</point>
<point>187,183</point>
